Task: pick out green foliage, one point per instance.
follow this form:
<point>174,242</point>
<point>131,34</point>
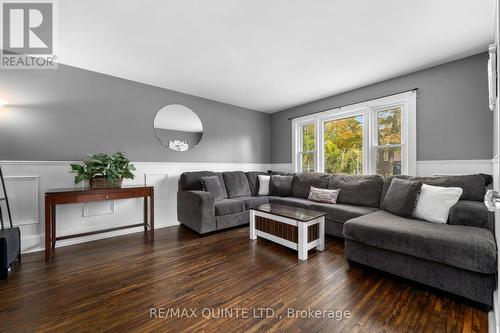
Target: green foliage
<point>111,167</point>
<point>308,147</point>
<point>389,133</point>
<point>308,138</point>
<point>344,145</point>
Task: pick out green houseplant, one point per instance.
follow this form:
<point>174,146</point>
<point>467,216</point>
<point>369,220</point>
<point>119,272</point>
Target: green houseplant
<point>103,170</point>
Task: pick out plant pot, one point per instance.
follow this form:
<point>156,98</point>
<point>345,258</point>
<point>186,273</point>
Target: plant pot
<point>102,182</point>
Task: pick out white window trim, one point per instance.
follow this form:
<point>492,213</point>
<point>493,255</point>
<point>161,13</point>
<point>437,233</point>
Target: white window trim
<point>368,109</point>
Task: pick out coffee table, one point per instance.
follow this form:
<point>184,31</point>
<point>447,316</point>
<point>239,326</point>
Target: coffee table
<point>297,228</point>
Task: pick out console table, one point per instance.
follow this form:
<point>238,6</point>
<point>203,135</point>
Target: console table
<point>82,195</point>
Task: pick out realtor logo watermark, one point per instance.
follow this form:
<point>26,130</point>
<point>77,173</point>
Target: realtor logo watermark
<point>28,35</point>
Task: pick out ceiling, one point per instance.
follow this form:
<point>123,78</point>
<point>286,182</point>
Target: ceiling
<point>268,55</point>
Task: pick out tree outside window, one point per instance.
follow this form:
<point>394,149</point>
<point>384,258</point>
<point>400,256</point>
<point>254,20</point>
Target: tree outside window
<point>344,145</point>
<point>388,149</point>
<point>308,147</point>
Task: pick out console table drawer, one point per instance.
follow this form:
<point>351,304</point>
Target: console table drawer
<point>101,197</point>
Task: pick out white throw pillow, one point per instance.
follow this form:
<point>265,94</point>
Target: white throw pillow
<point>434,203</point>
<point>264,185</point>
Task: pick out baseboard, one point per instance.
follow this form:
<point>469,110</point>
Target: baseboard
<point>79,240</point>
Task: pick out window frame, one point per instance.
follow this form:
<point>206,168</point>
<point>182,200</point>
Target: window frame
<point>368,109</point>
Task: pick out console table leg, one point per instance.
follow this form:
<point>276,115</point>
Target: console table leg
<point>146,221</point>
<point>48,231</point>
<point>302,241</point>
<point>152,215</point>
<point>53,226</point>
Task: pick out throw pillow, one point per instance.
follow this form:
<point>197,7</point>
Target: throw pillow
<point>323,195</point>
<point>434,203</point>
<point>401,197</point>
<point>264,184</point>
<point>212,184</point>
<point>280,185</point>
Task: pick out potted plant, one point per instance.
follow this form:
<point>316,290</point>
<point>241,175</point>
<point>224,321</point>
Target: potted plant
<point>103,171</point>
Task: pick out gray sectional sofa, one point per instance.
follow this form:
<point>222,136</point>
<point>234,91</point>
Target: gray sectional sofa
<point>458,257</point>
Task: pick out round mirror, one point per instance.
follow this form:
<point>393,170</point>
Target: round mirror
<point>178,127</point>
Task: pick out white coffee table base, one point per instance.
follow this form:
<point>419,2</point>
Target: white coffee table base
<point>302,245</point>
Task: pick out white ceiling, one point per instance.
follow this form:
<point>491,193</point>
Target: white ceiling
<point>268,55</point>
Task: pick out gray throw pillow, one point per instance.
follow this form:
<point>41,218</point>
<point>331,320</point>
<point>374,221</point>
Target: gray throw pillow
<point>212,184</point>
<point>280,185</point>
<point>401,197</point>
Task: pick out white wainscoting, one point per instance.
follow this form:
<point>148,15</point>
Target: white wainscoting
<point>454,167</point>
<point>27,181</point>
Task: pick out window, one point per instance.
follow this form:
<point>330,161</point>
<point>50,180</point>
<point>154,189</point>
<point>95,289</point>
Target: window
<point>343,147</point>
<point>374,137</point>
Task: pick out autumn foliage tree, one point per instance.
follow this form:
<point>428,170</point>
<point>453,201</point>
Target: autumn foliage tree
<point>389,135</point>
<point>344,145</point>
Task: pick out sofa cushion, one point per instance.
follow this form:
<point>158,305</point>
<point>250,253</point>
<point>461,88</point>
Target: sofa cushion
<point>236,184</point>
<point>359,190</point>
<point>264,181</point>
<point>341,213</point>
<point>464,247</point>
<point>474,186</point>
<point>302,182</point>
<point>212,184</point>
<point>253,181</point>
<point>229,206</point>
<point>280,185</point>
<point>401,197</point>
<point>291,201</point>
<point>252,202</point>
<point>192,181</point>
<point>473,214</point>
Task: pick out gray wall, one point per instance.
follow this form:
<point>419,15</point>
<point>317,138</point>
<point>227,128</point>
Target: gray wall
<point>453,119</point>
<point>67,113</point>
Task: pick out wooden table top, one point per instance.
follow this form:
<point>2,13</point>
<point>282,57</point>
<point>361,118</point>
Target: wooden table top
<point>88,189</point>
<point>298,214</point>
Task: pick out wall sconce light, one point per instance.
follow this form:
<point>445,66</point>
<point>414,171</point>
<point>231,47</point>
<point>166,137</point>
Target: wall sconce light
<point>2,103</point>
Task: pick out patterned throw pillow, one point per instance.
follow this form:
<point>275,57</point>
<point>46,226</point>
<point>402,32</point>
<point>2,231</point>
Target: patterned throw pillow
<point>323,195</point>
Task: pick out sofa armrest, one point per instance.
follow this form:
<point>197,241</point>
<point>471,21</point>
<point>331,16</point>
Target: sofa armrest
<point>473,214</point>
<point>196,209</point>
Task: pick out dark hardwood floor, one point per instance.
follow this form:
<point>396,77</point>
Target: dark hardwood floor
<point>111,285</point>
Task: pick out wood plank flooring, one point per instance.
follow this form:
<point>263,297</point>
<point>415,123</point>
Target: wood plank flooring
<point>111,286</point>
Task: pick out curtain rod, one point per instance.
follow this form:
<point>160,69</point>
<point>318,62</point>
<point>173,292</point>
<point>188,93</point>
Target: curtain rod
<point>341,106</point>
